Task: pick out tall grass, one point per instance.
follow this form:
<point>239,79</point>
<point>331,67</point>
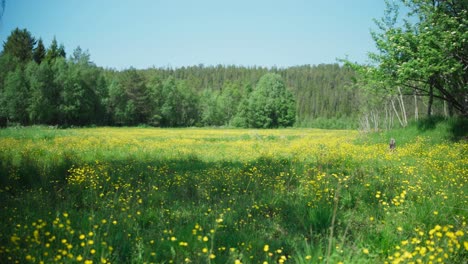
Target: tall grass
<point>143,195</point>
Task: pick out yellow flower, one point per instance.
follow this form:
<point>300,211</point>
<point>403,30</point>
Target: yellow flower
<point>365,251</point>
<point>266,248</point>
<point>82,236</point>
<point>79,258</point>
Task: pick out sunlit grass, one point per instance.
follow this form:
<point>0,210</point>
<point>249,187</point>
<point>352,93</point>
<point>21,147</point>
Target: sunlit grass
<point>144,195</point>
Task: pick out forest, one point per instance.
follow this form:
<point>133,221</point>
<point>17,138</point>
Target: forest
<point>43,86</point>
<point>420,69</point>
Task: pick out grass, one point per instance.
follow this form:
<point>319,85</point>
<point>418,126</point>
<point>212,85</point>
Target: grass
<point>144,195</point>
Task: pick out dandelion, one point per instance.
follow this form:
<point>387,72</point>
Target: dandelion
<point>365,251</point>
<point>266,248</point>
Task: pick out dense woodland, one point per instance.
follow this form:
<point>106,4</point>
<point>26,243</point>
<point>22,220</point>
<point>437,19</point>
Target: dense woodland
<point>44,86</point>
<point>420,70</point>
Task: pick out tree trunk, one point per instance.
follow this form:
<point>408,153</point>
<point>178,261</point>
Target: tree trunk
<point>445,109</point>
<point>402,106</point>
<point>387,121</point>
<point>431,100</point>
<point>450,109</point>
<point>375,119</point>
<point>396,113</point>
<point>416,110</point>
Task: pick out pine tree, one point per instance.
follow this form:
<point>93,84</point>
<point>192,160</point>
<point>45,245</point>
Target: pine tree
<point>39,52</point>
<point>54,51</point>
<point>20,44</point>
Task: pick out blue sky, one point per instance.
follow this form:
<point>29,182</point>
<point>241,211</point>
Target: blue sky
<point>176,33</point>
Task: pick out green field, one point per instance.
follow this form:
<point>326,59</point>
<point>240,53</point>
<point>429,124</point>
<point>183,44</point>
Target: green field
<point>145,195</point>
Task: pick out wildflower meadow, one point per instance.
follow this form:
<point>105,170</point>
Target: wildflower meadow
<point>149,195</point>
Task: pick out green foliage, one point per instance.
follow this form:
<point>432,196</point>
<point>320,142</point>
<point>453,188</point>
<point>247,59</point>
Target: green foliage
<point>39,52</point>
<point>44,94</point>
<point>130,99</point>
<point>73,91</point>
<point>14,95</point>
<point>180,104</point>
<point>20,44</point>
<point>79,100</point>
<point>54,51</point>
<point>270,105</point>
<point>211,108</point>
<point>427,57</point>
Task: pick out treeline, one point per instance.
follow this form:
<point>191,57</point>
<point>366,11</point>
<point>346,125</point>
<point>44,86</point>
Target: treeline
<point>40,85</point>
